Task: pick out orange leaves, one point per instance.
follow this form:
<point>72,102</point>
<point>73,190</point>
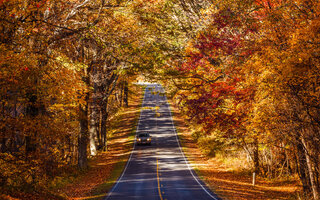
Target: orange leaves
<point>269,3</point>
<point>215,78</point>
<point>266,7</point>
<point>47,48</point>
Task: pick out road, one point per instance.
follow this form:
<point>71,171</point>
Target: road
<point>160,171</point>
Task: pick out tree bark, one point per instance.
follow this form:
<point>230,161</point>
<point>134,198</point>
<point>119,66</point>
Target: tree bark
<point>104,117</point>
<point>93,130</point>
<point>83,137</point>
<point>94,115</point>
<point>32,111</point>
<point>302,167</point>
<point>126,91</point>
<point>121,95</point>
<point>256,155</point>
<point>108,89</point>
<point>314,186</point>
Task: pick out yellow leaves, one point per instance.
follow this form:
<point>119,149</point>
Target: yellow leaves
<point>283,66</point>
<point>155,108</point>
<point>190,47</point>
<point>65,62</point>
<point>158,114</point>
<point>16,171</point>
<point>57,107</point>
<point>193,96</point>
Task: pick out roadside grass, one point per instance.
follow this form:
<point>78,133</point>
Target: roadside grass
<point>227,175</point>
<point>101,190</point>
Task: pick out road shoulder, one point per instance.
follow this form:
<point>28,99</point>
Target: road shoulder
<point>106,167</point>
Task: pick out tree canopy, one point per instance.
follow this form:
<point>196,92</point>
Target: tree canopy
<point>245,74</point>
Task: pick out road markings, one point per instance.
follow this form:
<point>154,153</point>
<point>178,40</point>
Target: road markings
<point>158,179</point>
<point>183,155</point>
<point>132,150</point>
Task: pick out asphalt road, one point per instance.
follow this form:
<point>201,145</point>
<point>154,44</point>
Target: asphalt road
<point>159,171</point>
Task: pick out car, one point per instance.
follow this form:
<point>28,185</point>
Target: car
<point>143,138</point>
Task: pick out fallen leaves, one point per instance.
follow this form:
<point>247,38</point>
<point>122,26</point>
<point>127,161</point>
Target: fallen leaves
<point>104,164</point>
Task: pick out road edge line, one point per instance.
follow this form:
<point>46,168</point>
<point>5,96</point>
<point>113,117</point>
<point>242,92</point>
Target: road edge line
<point>128,161</point>
<point>184,156</point>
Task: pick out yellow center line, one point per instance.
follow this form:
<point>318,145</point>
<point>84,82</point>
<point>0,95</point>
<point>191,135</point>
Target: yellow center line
<point>158,179</point>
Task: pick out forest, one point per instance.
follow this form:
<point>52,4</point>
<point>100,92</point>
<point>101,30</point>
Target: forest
<point>245,74</point>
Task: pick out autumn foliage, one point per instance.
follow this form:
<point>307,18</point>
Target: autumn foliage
<point>65,70</point>
<point>250,80</point>
<point>245,73</point>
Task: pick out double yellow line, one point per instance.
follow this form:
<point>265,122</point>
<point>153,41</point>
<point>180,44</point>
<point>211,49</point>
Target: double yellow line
<point>158,179</point>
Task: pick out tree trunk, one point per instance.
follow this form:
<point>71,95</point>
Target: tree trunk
<point>94,115</point>
<point>121,96</point>
<point>104,117</point>
<point>126,91</point>
<point>302,167</point>
<point>32,111</point>
<point>3,146</point>
<point>83,137</point>
<point>314,186</point>
<point>93,130</point>
<point>256,155</point>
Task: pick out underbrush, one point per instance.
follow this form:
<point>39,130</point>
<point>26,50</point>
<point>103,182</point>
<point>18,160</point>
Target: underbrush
<point>235,160</point>
<point>223,149</point>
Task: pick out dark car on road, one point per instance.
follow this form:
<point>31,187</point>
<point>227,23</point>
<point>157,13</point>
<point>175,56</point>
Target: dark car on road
<point>144,138</point>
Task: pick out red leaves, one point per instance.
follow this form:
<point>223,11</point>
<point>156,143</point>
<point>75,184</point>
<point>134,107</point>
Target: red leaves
<point>269,4</point>
<point>215,106</point>
<point>41,4</point>
<point>218,98</point>
<point>211,45</point>
<point>266,7</point>
<point>223,18</point>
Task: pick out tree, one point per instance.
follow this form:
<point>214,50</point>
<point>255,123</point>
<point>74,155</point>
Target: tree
<point>244,79</point>
<point>213,89</point>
